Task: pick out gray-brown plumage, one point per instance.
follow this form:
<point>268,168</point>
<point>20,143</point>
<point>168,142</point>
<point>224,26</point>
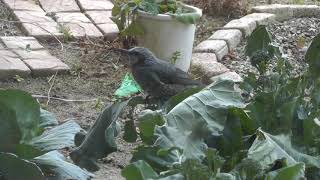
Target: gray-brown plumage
<point>158,78</point>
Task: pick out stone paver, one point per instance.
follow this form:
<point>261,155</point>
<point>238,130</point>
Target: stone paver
<point>231,36</point>
<point>100,17</point>
<point>282,12</point>
<point>11,65</point>
<point>42,67</point>
<point>23,5</point>
<point>59,5</point>
<point>111,31</point>
<point>21,42</point>
<point>32,16</point>
<point>78,24</point>
<point>262,18</point>
<point>207,64</point>
<point>219,47</point>
<point>95,5</point>
<point>40,54</point>
<point>305,10</point>
<point>233,76</point>
<point>102,20</point>
<point>72,18</point>
<point>246,25</point>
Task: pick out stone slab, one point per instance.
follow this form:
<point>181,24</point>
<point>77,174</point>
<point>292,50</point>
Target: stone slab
<point>219,47</point>
<point>282,12</point>
<point>246,25</point>
<point>231,36</point>
<point>59,5</point>
<point>95,5</point>
<point>71,17</point>
<point>42,67</point>
<point>305,10</point>
<point>110,31</point>
<point>40,54</point>
<point>100,17</point>
<point>45,30</point>
<point>233,76</point>
<point>262,18</point>
<point>32,17</point>
<point>23,5</point>
<point>207,64</point>
<point>21,42</point>
<point>11,65</point>
<point>79,30</point>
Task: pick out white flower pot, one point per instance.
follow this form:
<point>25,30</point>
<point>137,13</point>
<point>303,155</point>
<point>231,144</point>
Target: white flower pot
<point>164,35</point>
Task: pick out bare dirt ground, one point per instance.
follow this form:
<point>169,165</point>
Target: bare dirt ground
<point>95,74</point>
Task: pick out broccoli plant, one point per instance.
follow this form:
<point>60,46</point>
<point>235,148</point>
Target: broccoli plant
<point>30,138</point>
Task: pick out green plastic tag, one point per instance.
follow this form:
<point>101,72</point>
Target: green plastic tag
<point>128,87</point>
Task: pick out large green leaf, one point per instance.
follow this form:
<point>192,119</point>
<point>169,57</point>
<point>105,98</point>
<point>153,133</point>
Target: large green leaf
<point>260,39</point>
<point>313,55</point>
<point>196,117</point>
<point>100,139</point>
<point>139,170</point>
<point>57,138</point>
<point>267,148</point>
<point>148,120</point>
<point>47,119</point>
<point>10,134</point>
<point>293,172</point>
<point>54,162</point>
<point>27,112</point>
<point>14,168</point>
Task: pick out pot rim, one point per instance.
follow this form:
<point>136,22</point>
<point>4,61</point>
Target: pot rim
<point>167,17</point>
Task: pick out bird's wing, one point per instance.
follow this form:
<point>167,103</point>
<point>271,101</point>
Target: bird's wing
<point>172,75</point>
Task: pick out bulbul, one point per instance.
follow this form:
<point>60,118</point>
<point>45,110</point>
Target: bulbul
<point>157,77</point>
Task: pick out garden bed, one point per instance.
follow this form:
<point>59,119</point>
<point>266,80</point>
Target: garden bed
<point>293,36</point>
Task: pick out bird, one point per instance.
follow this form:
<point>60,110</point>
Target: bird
<point>156,77</point>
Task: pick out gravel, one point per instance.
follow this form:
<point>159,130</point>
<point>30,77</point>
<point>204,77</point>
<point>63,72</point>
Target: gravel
<point>293,36</point>
<point>7,24</point>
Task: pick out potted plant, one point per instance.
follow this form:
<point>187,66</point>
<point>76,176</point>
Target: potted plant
<point>166,27</point>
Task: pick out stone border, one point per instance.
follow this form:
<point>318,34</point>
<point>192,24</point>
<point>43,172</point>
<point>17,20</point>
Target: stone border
<point>207,53</point>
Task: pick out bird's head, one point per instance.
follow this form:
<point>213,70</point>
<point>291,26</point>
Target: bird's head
<point>135,55</point>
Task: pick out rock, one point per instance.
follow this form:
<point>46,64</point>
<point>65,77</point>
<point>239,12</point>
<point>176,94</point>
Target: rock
<point>219,47</point>
<point>11,65</point>
<point>233,76</point>
<point>100,17</point>
<point>59,5</point>
<point>21,42</point>
<point>95,5</point>
<point>246,25</point>
<point>23,5</point>
<point>231,36</point>
<point>262,18</point>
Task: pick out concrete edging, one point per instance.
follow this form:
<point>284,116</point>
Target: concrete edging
<point>234,31</point>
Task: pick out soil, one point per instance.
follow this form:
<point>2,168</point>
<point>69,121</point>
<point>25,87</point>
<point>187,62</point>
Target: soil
<point>95,74</point>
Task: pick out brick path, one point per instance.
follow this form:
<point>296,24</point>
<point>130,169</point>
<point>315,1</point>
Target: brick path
<point>25,56</point>
<point>80,18</point>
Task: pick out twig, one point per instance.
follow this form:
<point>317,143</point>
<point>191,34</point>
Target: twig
<point>51,85</point>
<point>64,100</point>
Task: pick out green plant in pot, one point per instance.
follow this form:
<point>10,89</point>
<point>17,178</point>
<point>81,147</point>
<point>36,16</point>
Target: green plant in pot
<point>163,26</point>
